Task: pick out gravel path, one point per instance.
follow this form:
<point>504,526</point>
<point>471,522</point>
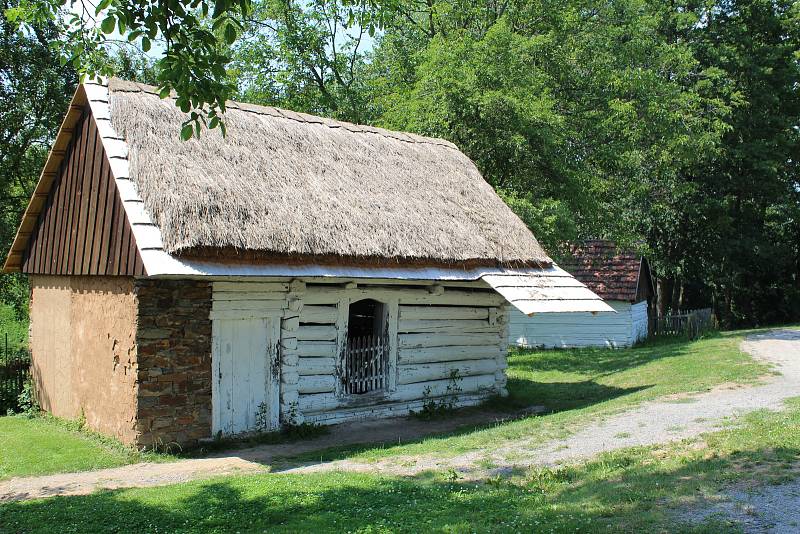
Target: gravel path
<point>652,422</point>
<point>767,510</point>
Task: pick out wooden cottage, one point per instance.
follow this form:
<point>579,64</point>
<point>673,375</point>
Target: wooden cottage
<point>621,278</point>
<point>299,269</point>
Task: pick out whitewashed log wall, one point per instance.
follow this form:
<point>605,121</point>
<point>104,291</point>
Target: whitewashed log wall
<point>434,334</point>
<point>430,336</point>
<point>563,330</point>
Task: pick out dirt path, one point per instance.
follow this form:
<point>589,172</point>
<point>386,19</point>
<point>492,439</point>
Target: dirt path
<point>652,422</point>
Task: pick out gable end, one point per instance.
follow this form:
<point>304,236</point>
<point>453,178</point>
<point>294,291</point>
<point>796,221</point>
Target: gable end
<point>82,228</point>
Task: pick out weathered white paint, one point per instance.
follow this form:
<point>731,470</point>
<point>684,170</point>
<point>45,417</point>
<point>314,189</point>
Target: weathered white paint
<point>316,333</point>
<point>639,319</point>
<point>248,325</point>
<point>440,312</point>
<point>318,314</point>
<point>413,373</point>
<point>316,349</point>
<point>448,347</point>
<point>317,366</point>
<point>621,329</point>
<point>433,333</point>
<point>429,340</point>
<point>443,354</point>
<point>322,402</point>
<point>243,356</point>
<point>546,291</point>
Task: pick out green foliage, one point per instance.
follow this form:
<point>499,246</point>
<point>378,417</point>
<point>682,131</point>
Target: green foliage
<point>668,127</point>
<point>557,101</point>
<point>194,39</point>
<point>550,220</point>
<point>641,489</point>
<point>576,386</point>
<point>12,327</point>
<point>649,123</point>
<point>35,92</point>
<point>305,56</point>
<point>439,407</point>
<point>27,401</point>
<point>193,59</point>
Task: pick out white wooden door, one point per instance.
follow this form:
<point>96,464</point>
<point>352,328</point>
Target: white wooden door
<point>244,386</point>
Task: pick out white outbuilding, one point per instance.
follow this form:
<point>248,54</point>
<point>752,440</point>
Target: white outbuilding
<point>621,278</point>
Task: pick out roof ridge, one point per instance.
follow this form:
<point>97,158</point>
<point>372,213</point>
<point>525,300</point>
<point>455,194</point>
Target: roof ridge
<point>126,86</point>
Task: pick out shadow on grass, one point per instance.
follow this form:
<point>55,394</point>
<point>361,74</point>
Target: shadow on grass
<point>623,491</point>
<point>561,396</point>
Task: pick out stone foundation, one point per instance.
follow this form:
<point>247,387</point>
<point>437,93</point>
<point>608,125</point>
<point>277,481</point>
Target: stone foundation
<point>174,356</point>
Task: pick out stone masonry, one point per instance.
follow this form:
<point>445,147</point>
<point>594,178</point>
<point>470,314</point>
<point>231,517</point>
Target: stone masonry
<point>174,362</point>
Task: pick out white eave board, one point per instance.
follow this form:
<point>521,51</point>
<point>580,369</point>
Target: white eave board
<point>551,290</point>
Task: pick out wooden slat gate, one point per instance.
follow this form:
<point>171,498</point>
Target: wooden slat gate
<point>366,365</point>
<point>691,323</point>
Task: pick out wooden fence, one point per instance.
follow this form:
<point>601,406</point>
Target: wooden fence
<point>366,365</point>
<point>691,323</point>
<point>15,365</point>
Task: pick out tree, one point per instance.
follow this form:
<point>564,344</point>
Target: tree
<point>304,55</point>
<point>579,104</point>
<point>192,38</point>
<point>34,96</point>
<point>751,191</point>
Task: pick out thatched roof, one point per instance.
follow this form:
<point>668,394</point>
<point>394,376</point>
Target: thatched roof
<point>290,184</point>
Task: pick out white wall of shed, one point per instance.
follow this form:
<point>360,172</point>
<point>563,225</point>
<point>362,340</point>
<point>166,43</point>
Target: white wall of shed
<point>434,332</point>
<point>639,321</point>
<point>562,330</point>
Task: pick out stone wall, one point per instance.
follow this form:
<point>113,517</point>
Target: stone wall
<point>174,353</point>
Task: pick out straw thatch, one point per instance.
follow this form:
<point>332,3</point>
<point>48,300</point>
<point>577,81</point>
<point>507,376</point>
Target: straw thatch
<point>284,183</point>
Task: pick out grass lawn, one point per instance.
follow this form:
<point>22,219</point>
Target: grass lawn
<point>575,385</point>
<point>578,385</point>
<point>44,445</point>
<point>633,490</point>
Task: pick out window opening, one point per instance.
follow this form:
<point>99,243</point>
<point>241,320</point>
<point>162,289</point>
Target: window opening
<point>366,357</point>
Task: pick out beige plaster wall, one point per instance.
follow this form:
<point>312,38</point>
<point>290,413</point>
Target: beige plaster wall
<point>83,344</point>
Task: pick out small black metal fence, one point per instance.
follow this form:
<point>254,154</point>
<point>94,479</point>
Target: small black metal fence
<point>15,363</point>
<point>366,365</point>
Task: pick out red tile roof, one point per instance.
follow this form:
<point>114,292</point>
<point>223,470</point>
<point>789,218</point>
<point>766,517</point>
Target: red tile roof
<point>611,273</point>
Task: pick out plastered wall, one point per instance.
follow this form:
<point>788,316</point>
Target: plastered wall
<point>83,346</point>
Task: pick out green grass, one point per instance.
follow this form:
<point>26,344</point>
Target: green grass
<point>632,490</point>
<point>579,385</point>
<point>46,445</point>
<point>575,385</point>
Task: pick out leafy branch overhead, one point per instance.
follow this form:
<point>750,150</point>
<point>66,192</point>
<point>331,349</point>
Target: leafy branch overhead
<point>192,39</point>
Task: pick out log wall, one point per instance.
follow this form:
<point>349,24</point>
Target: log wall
<point>563,330</point>
<point>445,345</point>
